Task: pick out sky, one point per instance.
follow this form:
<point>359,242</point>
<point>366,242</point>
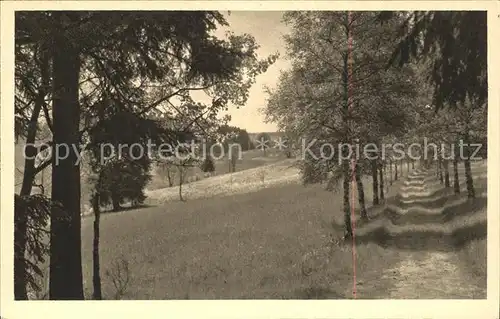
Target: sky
<point>267,29</point>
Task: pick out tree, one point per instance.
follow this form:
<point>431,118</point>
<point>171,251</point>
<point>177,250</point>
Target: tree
<point>96,269</point>
<point>232,162</point>
<point>117,176</point>
<point>287,142</point>
<point>165,167</point>
<point>119,156</point>
<point>339,94</point>
<point>381,179</point>
<point>123,180</point>
<point>454,43</point>
<point>446,127</point>
<point>240,136</point>
<point>182,165</point>
<point>32,76</point>
<point>132,58</point>
<point>228,138</point>
<point>208,165</point>
<point>36,209</point>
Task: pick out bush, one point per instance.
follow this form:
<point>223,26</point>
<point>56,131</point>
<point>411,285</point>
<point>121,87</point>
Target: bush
<point>123,180</point>
<point>119,275</point>
<point>208,165</point>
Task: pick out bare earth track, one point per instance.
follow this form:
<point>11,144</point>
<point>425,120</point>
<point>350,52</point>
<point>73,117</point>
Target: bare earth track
<point>430,271</point>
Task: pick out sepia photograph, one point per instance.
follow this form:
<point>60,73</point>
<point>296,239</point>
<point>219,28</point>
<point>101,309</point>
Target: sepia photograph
<point>249,154</point>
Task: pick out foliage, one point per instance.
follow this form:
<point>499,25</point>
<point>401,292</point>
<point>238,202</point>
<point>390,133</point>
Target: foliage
<point>36,209</point>
<point>141,62</point>
<point>120,158</point>
<point>340,91</point>
<point>208,165</point>
<point>455,45</point>
<point>242,138</point>
<point>122,180</point>
<point>311,99</point>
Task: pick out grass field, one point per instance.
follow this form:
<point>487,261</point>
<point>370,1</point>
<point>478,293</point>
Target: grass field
<point>249,160</point>
<point>277,243</point>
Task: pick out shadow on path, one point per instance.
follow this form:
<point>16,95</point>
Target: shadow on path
<point>419,240</point>
<point>423,221</point>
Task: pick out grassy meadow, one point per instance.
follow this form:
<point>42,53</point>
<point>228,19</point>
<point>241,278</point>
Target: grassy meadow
<point>258,233</point>
<point>281,242</point>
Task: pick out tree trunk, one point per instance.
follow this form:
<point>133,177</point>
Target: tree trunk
<point>456,182</point>
<point>385,178</point>
<point>408,168</point>
<point>396,170</point>
<point>116,203</point>
<point>381,178</point>
<point>96,276</point>
<point>446,174</point>
<point>412,164</point>
<point>346,78</point>
<point>181,181</point>
<point>170,181</point>
<point>471,193</point>
<point>361,194</point>
<point>233,163</point>
<point>347,205</point>
<point>440,165</point>
<point>42,181</point>
<point>65,237</point>
<point>374,182</point>
<point>20,238</point>
<point>390,172</point>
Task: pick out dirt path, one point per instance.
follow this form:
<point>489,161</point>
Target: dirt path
<point>432,276</point>
<point>429,274</point>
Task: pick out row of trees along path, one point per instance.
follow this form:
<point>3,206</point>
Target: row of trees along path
<point>349,84</point>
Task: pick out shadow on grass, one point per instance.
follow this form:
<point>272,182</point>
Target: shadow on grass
<point>465,208</point>
<point>426,194</point>
<point>449,213</point>
<point>416,207</point>
<point>429,202</point>
<point>413,187</point>
<point>127,209</point>
<point>373,212</point>
<point>429,240</point>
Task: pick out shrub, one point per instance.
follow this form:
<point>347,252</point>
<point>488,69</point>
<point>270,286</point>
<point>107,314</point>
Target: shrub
<point>208,165</point>
<point>123,180</point>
